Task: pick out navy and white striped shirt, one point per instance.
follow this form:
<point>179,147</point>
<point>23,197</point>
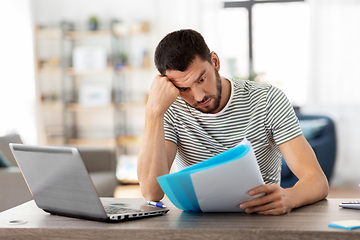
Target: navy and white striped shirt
<point>260,112</point>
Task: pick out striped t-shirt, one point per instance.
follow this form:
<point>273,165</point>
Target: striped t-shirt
<point>260,112</point>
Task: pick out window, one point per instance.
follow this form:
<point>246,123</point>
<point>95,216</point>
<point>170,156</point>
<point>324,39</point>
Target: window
<point>281,35</point>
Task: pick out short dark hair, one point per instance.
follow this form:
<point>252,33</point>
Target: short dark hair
<point>178,49</point>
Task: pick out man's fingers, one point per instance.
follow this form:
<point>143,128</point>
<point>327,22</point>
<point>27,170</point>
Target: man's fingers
<point>268,188</point>
<point>257,201</point>
<point>272,203</point>
<point>277,207</point>
<point>261,208</point>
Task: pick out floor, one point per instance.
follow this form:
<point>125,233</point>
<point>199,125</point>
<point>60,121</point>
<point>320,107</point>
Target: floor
<point>133,191</point>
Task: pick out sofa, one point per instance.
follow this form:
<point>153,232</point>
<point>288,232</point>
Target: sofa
<point>100,162</point>
<point>320,132</point>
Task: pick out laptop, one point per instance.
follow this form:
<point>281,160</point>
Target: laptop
<point>61,185</point>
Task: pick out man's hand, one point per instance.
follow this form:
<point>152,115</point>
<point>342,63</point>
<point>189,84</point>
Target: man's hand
<point>162,94</point>
<point>275,202</point>
<point>311,187</point>
<point>156,155</point>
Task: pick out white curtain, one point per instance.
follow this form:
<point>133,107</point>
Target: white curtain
<point>17,81</point>
<point>335,79</point>
<point>336,51</point>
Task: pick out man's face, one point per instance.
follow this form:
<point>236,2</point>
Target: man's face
<point>200,85</point>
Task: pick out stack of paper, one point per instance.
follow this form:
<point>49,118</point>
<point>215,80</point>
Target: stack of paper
<point>218,184</point>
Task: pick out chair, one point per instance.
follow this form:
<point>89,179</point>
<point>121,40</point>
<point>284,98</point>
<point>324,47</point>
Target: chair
<point>320,133</point>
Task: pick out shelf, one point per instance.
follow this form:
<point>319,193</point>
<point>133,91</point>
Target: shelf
<point>126,30</point>
<point>73,35</point>
<point>48,33</point>
<point>131,106</point>
<point>56,142</point>
<point>107,70</point>
<point>120,30</point>
<point>50,71</point>
<point>73,72</point>
<point>129,140</point>
<point>111,143</point>
<point>52,105</point>
<point>130,69</point>
<point>76,107</point>
<point>123,140</point>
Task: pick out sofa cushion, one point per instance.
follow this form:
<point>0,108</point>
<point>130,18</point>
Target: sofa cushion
<point>104,183</point>
<point>4,147</point>
<point>3,161</point>
<point>311,128</point>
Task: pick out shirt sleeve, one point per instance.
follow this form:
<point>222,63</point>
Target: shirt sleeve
<point>280,117</point>
<point>169,127</point>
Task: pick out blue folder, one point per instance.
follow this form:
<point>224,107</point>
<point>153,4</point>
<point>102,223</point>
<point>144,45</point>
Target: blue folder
<point>179,187</point>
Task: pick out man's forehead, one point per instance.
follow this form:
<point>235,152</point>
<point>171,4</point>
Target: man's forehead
<point>194,71</point>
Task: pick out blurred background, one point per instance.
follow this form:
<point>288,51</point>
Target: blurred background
<point>78,72</point>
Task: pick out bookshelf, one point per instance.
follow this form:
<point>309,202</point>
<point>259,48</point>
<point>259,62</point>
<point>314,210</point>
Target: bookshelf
<point>68,115</point>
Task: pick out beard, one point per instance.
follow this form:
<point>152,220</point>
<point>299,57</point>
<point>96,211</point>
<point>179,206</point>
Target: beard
<point>216,98</point>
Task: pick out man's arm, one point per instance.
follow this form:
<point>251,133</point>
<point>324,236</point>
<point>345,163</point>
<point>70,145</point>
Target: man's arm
<point>156,155</point>
<point>311,187</point>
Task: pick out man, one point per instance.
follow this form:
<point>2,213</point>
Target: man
<point>193,114</point>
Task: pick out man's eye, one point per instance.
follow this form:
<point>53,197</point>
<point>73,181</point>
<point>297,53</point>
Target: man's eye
<point>201,80</point>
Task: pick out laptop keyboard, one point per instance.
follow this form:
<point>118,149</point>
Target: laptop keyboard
<point>111,209</point>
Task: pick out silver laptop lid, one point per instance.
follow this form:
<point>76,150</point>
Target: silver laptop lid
<point>58,180</point>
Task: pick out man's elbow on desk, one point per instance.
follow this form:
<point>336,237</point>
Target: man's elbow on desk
<point>311,189</point>
<point>151,194</point>
<point>325,187</point>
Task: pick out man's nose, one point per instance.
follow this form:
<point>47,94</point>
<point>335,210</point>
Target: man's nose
<point>198,94</point>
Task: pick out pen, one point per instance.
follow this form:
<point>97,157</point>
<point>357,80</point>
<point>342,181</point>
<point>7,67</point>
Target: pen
<point>156,204</point>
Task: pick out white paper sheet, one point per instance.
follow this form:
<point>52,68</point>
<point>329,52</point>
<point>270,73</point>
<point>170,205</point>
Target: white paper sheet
<point>231,183</point>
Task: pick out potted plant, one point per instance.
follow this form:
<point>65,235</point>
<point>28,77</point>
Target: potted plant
<point>93,23</point>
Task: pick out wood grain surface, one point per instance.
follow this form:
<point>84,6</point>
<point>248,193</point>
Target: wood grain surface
<point>309,222</point>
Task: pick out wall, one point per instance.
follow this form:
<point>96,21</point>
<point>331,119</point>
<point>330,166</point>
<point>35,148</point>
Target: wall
<point>17,80</point>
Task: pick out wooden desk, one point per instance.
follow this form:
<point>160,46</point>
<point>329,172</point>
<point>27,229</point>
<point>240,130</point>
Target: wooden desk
<point>310,222</point>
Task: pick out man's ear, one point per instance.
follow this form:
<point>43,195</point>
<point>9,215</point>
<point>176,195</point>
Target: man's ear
<point>215,60</point>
